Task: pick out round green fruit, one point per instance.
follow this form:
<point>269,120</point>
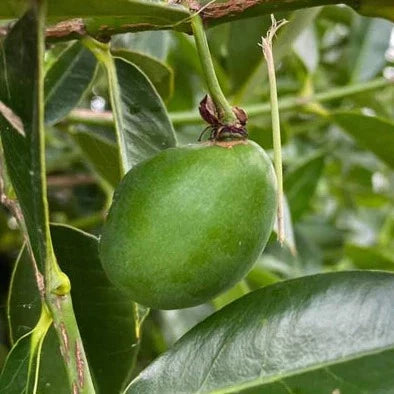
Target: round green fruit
<point>189,223</point>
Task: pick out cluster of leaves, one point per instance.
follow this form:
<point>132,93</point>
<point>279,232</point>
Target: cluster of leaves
<point>320,333</point>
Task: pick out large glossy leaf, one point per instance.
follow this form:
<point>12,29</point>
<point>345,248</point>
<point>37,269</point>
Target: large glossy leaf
<point>158,73</point>
<point>326,333</point>
<point>67,80</point>
<point>372,133</point>
<point>20,85</point>
<point>140,116</point>
<point>369,41</point>
<point>300,183</point>
<point>105,316</point>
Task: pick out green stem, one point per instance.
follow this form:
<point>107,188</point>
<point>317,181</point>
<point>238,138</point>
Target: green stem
<point>285,104</point>
<point>57,284</point>
<point>224,108</point>
<point>103,55</point>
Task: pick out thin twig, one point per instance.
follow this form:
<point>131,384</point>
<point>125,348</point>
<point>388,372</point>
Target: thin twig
<point>86,116</point>
<point>266,45</point>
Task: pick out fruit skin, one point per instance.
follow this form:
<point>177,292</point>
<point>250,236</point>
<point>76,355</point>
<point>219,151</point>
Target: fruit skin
<point>189,223</point>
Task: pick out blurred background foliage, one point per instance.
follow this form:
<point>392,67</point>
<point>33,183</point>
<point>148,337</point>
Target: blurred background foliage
<point>338,150</point>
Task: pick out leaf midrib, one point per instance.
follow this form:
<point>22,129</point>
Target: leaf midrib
<point>279,377</point>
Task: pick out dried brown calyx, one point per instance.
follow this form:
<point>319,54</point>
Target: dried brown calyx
<point>219,130</point>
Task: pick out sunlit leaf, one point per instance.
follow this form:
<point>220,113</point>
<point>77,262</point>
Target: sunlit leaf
<point>369,42</point>
<point>318,334</point>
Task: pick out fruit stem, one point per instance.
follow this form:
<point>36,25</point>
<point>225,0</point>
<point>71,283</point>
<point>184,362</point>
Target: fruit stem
<point>266,44</point>
<point>223,107</point>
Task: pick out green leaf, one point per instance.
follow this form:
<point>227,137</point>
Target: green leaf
<point>364,257</point>
<point>184,60</point>
<point>369,41</point>
<point>319,334</point>
<point>141,120</point>
<point>372,133</point>
<point>102,154</point>
<point>158,73</point>
<point>67,80</point>
<point>21,76</point>
<point>21,369</point>
<point>287,36</point>
<point>15,374</point>
<point>24,303</point>
<point>23,309</point>
<point>105,316</point>
<point>243,54</point>
<point>298,22</point>
<point>154,44</point>
<point>306,46</point>
<point>300,183</point>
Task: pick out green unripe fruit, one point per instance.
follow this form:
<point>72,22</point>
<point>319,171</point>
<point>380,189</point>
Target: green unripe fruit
<point>189,223</point>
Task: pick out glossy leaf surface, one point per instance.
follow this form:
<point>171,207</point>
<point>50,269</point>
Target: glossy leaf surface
<point>141,120</point>
<point>311,335</point>
<point>20,73</point>
<point>105,316</point>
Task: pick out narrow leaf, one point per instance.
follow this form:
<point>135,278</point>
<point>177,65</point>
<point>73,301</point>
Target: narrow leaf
<point>21,369</point>
<point>20,90</point>
<point>369,40</point>
<point>300,184</point>
<point>102,154</point>
<point>326,333</point>
<point>14,376</point>
<point>67,80</point>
